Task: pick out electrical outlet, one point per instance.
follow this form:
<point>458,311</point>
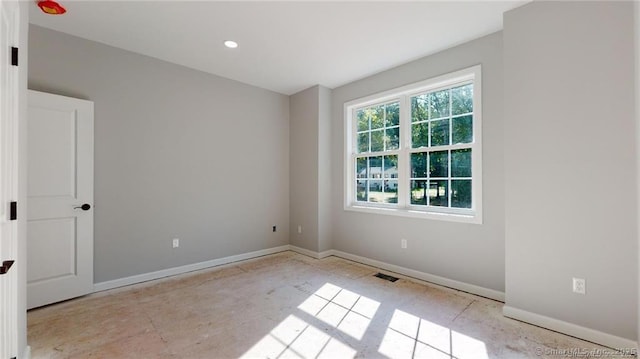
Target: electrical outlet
<point>403,243</point>
<point>176,242</point>
<point>579,285</point>
<point>299,229</point>
<point>274,228</point>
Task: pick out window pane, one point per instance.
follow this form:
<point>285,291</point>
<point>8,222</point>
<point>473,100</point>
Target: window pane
<point>462,99</point>
<point>391,166</point>
<point>419,165</point>
<point>391,191</point>
<point>420,135</point>
<point>439,164</point>
<point>377,140</point>
<point>440,132</point>
<point>438,193</point>
<point>461,193</point>
<point>419,109</point>
<point>461,163</point>
<point>419,192</point>
<point>392,139</point>
<point>361,190</point>
<point>361,167</point>
<point>363,120</point>
<point>377,117</point>
<point>363,142</point>
<point>439,104</point>
<point>462,129</point>
<point>393,114</point>
<point>375,191</point>
<point>375,167</point>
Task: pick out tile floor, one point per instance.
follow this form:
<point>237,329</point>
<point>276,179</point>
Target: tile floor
<point>286,305</point>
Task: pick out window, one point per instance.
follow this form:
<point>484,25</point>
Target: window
<point>416,151</point>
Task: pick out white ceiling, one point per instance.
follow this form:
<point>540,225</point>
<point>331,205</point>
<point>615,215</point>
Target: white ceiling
<point>284,46</point>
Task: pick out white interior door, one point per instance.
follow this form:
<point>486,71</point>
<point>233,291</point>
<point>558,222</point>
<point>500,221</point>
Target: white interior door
<point>60,198</point>
<point>9,25</point>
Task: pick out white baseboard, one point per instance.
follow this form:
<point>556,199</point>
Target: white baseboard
<point>577,331</point>
<point>465,287</point>
<point>121,282</point>
<point>26,354</point>
<point>312,254</point>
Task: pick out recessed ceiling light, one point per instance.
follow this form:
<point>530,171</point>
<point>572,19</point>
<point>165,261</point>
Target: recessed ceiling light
<point>231,44</point>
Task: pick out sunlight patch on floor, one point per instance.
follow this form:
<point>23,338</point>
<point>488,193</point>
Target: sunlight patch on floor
<point>350,312</point>
<point>406,336</point>
<point>295,338</point>
<point>409,336</point>
<point>340,308</point>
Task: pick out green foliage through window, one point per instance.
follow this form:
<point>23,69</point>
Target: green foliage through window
<point>378,128</point>
<point>433,173</point>
<point>442,117</point>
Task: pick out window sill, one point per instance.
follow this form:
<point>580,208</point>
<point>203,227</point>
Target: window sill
<point>411,213</point>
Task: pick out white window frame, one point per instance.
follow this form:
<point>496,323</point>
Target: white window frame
<point>403,94</point>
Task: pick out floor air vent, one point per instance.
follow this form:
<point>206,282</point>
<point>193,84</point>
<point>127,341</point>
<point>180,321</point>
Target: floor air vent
<point>386,277</point>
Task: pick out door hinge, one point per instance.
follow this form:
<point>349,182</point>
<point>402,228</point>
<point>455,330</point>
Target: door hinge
<point>13,211</point>
<point>14,56</point>
<point>6,265</point>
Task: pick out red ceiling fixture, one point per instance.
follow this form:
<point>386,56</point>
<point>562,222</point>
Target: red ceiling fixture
<point>51,7</point>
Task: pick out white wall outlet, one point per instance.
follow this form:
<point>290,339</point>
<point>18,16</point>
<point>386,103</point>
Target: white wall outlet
<point>403,243</point>
<point>299,229</point>
<point>176,242</point>
<point>579,285</point>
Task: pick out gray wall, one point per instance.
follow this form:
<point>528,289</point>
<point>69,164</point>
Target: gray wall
<point>303,165</point>
<point>325,148</point>
<point>636,19</point>
<point>310,168</point>
<point>469,253</point>
<point>178,153</point>
<point>569,163</point>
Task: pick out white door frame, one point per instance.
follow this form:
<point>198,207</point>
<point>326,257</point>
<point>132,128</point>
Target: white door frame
<point>10,119</point>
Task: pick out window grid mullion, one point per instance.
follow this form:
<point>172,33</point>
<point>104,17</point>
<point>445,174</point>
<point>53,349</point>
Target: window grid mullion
<point>450,118</point>
<point>379,153</point>
<point>461,146</point>
<point>449,179</point>
<point>428,182</point>
<point>404,164</point>
<point>428,122</point>
<point>368,182</point>
<point>384,128</point>
<point>449,156</point>
<point>352,192</point>
<point>460,114</point>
